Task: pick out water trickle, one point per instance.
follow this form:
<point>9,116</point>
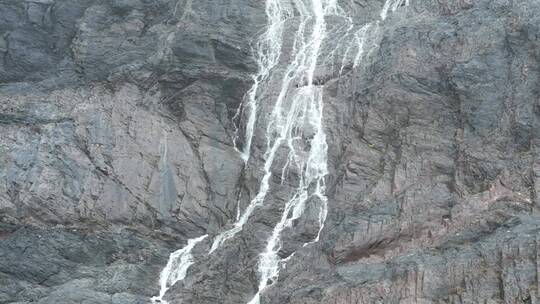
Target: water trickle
<point>176,268</point>
<point>268,51</point>
<point>305,115</point>
<point>392,5</point>
<point>296,122</point>
<point>360,38</point>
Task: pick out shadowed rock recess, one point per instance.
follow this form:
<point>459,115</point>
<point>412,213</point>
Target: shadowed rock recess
<point>122,124</point>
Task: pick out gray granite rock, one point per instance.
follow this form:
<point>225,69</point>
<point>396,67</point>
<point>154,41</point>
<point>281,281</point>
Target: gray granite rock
<point>116,147</point>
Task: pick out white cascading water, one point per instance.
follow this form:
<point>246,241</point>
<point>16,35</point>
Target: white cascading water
<point>176,268</point>
<point>297,119</point>
<point>268,54</point>
<point>296,122</point>
<point>392,5</point>
<point>268,51</point>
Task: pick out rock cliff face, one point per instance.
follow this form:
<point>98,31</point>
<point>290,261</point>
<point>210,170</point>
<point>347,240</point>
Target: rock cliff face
<point>117,120</point>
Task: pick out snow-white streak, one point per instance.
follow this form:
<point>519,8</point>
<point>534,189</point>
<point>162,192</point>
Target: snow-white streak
<point>355,40</point>
<point>392,5</point>
<point>306,107</point>
<point>306,110</point>
<point>351,26</point>
<point>286,121</point>
<point>360,38</point>
<point>268,54</point>
<point>268,50</point>
<point>295,122</point>
<point>176,269</point>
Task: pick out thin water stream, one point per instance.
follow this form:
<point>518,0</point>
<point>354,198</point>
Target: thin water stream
<point>296,123</point>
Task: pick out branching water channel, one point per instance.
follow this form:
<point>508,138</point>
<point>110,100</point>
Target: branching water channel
<point>295,123</point>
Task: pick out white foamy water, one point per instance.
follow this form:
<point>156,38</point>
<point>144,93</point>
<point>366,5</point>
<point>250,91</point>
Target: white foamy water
<point>291,108</point>
<point>302,111</point>
<point>392,5</point>
<point>268,54</point>
<point>268,51</point>
<point>296,123</point>
<point>176,268</point>
<point>305,108</point>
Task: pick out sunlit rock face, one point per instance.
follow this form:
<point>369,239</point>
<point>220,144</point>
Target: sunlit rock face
<point>309,151</point>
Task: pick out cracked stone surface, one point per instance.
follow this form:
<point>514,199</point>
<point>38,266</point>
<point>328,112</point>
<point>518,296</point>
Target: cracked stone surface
<point>116,148</point>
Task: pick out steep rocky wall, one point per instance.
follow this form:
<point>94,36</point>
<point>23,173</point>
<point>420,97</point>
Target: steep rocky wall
<point>435,149</point>
<point>116,147</point>
<point>115,140</point>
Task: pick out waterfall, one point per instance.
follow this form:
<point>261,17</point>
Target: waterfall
<point>268,51</point>
<point>298,114</point>
<point>392,5</point>
<point>268,54</point>
<point>286,120</point>
<point>295,123</point>
<point>176,268</point>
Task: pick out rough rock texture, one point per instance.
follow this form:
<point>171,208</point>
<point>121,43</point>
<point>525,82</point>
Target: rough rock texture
<point>114,140</point>
<point>115,148</point>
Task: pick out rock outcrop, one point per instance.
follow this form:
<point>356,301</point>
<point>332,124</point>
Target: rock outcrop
<point>116,128</point>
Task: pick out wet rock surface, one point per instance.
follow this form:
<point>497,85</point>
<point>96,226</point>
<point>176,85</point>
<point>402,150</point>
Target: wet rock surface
<point>116,147</point>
